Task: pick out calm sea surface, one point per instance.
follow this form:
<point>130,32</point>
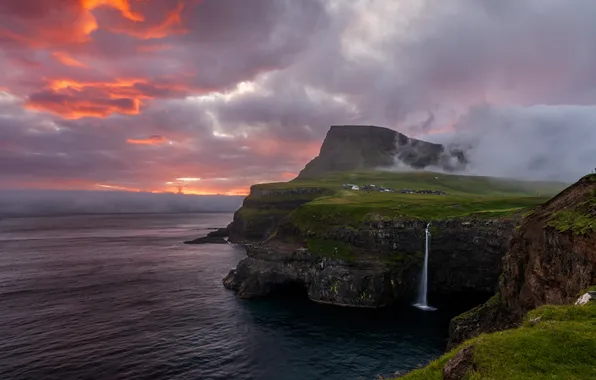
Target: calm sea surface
<point>120,297</point>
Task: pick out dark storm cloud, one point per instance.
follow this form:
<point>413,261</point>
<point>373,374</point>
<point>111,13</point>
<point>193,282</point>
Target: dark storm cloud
<point>245,93</point>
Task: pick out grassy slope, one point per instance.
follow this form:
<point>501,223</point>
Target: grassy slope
<point>580,218</point>
<point>467,195</point>
<point>560,346</point>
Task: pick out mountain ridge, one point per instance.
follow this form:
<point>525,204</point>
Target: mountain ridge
<point>368,147</point>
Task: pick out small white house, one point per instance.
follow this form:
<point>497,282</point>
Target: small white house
<point>355,187</point>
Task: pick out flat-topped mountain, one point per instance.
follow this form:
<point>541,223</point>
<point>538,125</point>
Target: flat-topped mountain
<point>365,147</point>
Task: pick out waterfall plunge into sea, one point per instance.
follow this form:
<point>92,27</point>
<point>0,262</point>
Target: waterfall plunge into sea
<point>421,302</point>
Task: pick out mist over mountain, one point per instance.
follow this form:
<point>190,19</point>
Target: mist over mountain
<point>55,202</point>
<point>535,143</point>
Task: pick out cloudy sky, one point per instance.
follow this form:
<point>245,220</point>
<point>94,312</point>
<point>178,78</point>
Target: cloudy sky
<point>132,94</point>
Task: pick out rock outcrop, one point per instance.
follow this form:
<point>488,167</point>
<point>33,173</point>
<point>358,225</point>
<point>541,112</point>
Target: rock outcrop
<point>263,209</point>
<point>219,236</point>
<point>460,365</point>
<point>551,258</point>
<point>383,263</point>
<point>357,147</point>
<point>269,269</point>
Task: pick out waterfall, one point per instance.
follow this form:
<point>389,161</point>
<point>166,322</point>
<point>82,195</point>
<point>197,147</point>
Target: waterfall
<point>421,302</point>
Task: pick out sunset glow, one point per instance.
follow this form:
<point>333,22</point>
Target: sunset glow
<point>141,95</point>
<point>68,60</point>
<point>152,140</point>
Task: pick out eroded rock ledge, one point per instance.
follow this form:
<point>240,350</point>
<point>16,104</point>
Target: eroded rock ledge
<point>269,268</point>
<point>384,262</point>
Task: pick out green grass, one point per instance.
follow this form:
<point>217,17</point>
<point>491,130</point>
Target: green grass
<point>482,197</point>
<point>561,345</point>
<point>332,206</point>
<point>579,219</point>
<point>578,223</point>
<point>450,183</point>
<point>358,207</point>
<point>330,248</point>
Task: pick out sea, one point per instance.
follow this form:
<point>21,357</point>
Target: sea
<point>121,297</point>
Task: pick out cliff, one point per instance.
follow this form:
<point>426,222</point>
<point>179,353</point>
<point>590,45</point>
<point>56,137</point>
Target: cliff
<point>551,262</point>
<point>553,254</point>
<point>355,148</point>
<point>376,262</point>
<point>365,248</point>
<point>551,258</point>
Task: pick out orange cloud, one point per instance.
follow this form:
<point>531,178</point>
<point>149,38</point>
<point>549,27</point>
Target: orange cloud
<point>73,99</point>
<point>118,88</point>
<point>122,5</point>
<point>74,25</point>
<point>171,25</point>
<point>152,140</point>
<point>73,22</point>
<point>215,191</point>
<point>69,107</point>
<point>118,188</point>
<point>67,60</point>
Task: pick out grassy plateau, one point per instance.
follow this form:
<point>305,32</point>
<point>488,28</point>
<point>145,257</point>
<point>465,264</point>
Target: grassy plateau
<point>465,196</point>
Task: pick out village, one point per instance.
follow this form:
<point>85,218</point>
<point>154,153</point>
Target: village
<point>381,189</point>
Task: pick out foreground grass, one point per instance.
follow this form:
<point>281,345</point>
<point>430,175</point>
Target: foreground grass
<point>560,345</point>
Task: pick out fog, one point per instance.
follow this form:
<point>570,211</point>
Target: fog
<point>534,143</point>
<point>53,202</point>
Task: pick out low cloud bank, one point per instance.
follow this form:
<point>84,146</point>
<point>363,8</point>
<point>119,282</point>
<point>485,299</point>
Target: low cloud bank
<point>50,202</point>
<point>533,143</point>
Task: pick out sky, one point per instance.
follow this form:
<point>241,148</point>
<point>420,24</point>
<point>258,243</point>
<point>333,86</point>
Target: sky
<point>135,94</point>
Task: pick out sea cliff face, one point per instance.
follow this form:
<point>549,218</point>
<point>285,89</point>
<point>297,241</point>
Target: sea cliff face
<point>377,262</point>
<point>263,209</point>
<point>551,258</point>
<point>365,248</point>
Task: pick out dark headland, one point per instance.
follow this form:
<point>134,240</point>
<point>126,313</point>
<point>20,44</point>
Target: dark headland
<point>349,231</point>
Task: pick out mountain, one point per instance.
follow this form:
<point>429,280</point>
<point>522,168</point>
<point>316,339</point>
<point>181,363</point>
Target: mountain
<point>357,148</point>
<point>363,248</point>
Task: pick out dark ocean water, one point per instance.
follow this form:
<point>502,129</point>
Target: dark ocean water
<point>119,297</point>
